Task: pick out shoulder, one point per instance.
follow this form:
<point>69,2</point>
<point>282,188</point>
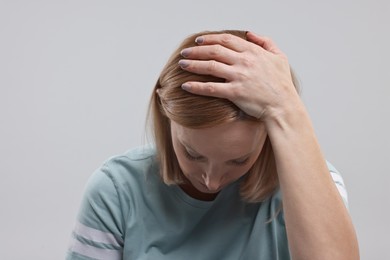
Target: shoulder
<point>134,164</point>
<point>138,156</point>
<point>124,171</point>
<point>122,174</point>
<point>113,186</point>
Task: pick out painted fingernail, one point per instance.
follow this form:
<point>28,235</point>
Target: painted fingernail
<point>183,64</point>
<point>199,40</point>
<point>186,86</point>
<point>185,52</point>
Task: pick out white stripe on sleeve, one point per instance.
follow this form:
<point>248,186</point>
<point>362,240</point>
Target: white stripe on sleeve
<point>95,252</point>
<point>97,235</point>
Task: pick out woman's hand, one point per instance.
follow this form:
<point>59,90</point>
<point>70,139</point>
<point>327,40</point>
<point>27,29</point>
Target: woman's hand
<point>257,73</point>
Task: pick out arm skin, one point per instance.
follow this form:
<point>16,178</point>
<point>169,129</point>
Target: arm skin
<point>258,80</point>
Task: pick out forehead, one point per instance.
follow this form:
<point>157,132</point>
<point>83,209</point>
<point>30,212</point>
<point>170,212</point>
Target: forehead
<point>233,138</point>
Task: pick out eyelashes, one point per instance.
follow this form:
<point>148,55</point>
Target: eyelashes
<point>200,158</point>
<point>191,157</point>
<point>241,162</point>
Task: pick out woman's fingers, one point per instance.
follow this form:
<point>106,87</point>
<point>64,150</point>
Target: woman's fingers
<point>256,72</point>
<point>216,52</point>
<point>229,41</point>
<point>227,90</point>
<point>210,52</point>
<point>207,67</point>
<point>214,89</point>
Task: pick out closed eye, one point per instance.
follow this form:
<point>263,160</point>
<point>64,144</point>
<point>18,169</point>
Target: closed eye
<point>240,162</point>
<point>192,157</point>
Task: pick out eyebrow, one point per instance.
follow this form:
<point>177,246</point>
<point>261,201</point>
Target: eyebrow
<point>198,154</point>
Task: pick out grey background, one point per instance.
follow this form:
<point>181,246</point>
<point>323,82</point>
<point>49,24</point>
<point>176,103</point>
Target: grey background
<point>75,79</point>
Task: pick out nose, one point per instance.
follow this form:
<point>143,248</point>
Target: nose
<point>213,183</point>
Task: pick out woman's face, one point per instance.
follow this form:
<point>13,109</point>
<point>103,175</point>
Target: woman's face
<point>212,158</point>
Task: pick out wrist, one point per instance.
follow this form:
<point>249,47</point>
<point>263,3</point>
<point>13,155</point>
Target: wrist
<point>291,114</point>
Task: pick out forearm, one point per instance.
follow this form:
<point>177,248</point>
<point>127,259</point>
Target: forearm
<point>317,222</point>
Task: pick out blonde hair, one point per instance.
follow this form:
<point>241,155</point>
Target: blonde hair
<point>170,102</point>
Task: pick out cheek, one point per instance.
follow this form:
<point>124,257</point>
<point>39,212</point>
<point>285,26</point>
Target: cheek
<point>237,172</point>
<point>247,167</point>
<point>186,166</point>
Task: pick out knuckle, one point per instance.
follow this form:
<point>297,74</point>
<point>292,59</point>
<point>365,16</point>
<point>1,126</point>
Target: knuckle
<point>241,76</point>
<point>247,60</point>
<point>212,65</point>
<point>216,50</point>
<point>209,88</point>
<point>236,92</point>
<point>226,38</point>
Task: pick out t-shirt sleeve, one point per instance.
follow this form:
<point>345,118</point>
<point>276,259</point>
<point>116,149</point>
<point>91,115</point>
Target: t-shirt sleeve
<point>98,232</point>
<point>339,182</point>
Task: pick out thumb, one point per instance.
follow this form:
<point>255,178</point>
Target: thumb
<point>264,42</point>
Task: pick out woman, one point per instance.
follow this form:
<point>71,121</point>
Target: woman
<point>232,141</point>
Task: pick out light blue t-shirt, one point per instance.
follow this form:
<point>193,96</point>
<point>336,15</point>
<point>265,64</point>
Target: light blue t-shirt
<point>129,213</point>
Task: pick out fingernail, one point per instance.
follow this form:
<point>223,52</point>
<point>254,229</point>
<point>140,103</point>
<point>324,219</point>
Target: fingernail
<point>199,40</point>
<point>186,86</point>
<point>185,52</point>
<point>183,64</point>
